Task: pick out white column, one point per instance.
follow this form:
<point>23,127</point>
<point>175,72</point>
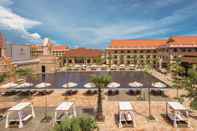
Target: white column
<point>7,120</point>
<point>120,124</point>
<point>74,111</point>
<point>20,120</point>
<point>55,118</point>
<point>174,122</point>
<point>33,112</point>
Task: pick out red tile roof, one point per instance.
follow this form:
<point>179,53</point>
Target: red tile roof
<point>2,40</point>
<point>182,41</point>
<point>83,52</point>
<point>60,48</point>
<point>137,43</point>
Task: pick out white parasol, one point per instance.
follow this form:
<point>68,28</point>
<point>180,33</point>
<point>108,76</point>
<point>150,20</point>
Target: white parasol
<point>89,85</point>
<point>135,84</point>
<point>69,85</point>
<point>113,85</point>
<point>43,85</point>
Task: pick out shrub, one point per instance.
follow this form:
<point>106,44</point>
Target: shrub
<point>2,78</point>
<point>81,123</point>
<point>63,126</point>
<point>87,123</point>
<point>194,104</point>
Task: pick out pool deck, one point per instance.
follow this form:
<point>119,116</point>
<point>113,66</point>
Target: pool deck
<point>110,108</point>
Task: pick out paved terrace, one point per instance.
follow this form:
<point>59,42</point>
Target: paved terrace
<point>110,106</point>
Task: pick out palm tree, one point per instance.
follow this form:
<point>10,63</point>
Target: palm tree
<point>110,59</point>
<point>147,70</point>
<point>191,84</point>
<point>100,82</point>
<point>177,71</point>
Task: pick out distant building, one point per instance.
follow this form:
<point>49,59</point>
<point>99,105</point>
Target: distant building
<point>178,47</point>
<point>18,52</point>
<point>138,52</point>
<point>2,44</point>
<point>159,53</point>
<point>59,50</point>
<point>83,56</point>
<point>54,49</point>
<point>5,62</point>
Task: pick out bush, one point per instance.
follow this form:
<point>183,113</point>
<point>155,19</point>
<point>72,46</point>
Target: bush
<point>2,78</point>
<point>81,123</point>
<point>194,104</point>
<point>24,72</point>
<point>87,123</point>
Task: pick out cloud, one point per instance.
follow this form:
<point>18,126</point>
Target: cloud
<point>5,2</point>
<point>12,21</point>
<point>31,36</point>
<point>97,35</point>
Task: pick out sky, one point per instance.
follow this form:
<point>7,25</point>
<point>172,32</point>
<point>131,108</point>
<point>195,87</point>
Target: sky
<point>94,23</point>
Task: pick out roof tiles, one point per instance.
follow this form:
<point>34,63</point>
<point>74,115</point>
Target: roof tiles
<point>83,52</point>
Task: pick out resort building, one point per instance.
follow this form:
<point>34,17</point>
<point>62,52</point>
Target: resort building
<point>59,50</point>
<point>83,56</point>
<point>183,47</point>
<point>55,50</point>
<point>18,52</point>
<point>158,53</point>
<point>138,52</point>
<point>5,62</point>
<point>2,44</point>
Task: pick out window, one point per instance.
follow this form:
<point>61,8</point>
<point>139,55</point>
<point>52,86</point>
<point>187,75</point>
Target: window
<point>88,60</point>
<point>175,50</point>
<point>128,51</point>
<point>115,51</point>
<point>122,51</point>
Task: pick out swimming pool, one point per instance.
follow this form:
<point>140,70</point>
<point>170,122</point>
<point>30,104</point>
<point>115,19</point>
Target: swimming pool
<point>81,78</point>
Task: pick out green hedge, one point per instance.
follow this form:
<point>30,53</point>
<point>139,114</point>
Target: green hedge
<point>2,78</point>
<point>194,104</point>
<point>81,123</point>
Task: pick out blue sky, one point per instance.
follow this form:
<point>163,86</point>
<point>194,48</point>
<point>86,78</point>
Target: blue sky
<point>94,23</point>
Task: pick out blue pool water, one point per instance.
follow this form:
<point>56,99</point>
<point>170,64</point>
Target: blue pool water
<point>81,78</point>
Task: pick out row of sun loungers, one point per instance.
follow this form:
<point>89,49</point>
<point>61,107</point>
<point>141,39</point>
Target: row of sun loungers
<point>27,92</point>
<point>175,112</point>
<point>113,92</point>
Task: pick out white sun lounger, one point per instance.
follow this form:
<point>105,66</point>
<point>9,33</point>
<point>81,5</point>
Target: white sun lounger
<point>126,113</point>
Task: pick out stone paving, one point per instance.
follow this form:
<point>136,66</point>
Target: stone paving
<point>110,108</point>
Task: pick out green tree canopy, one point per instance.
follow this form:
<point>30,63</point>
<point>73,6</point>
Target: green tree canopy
<point>81,123</point>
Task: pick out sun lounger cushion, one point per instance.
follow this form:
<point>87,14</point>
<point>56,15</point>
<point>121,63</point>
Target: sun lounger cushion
<point>122,117</point>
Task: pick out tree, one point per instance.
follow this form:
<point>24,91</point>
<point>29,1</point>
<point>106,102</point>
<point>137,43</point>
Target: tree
<point>100,82</point>
<point>2,77</point>
<point>110,60</point>
<point>177,71</point>
<point>147,70</point>
<point>191,85</point>
<point>81,123</point>
<point>24,73</point>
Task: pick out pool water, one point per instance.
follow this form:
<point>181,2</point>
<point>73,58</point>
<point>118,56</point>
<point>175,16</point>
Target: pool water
<point>81,78</point>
